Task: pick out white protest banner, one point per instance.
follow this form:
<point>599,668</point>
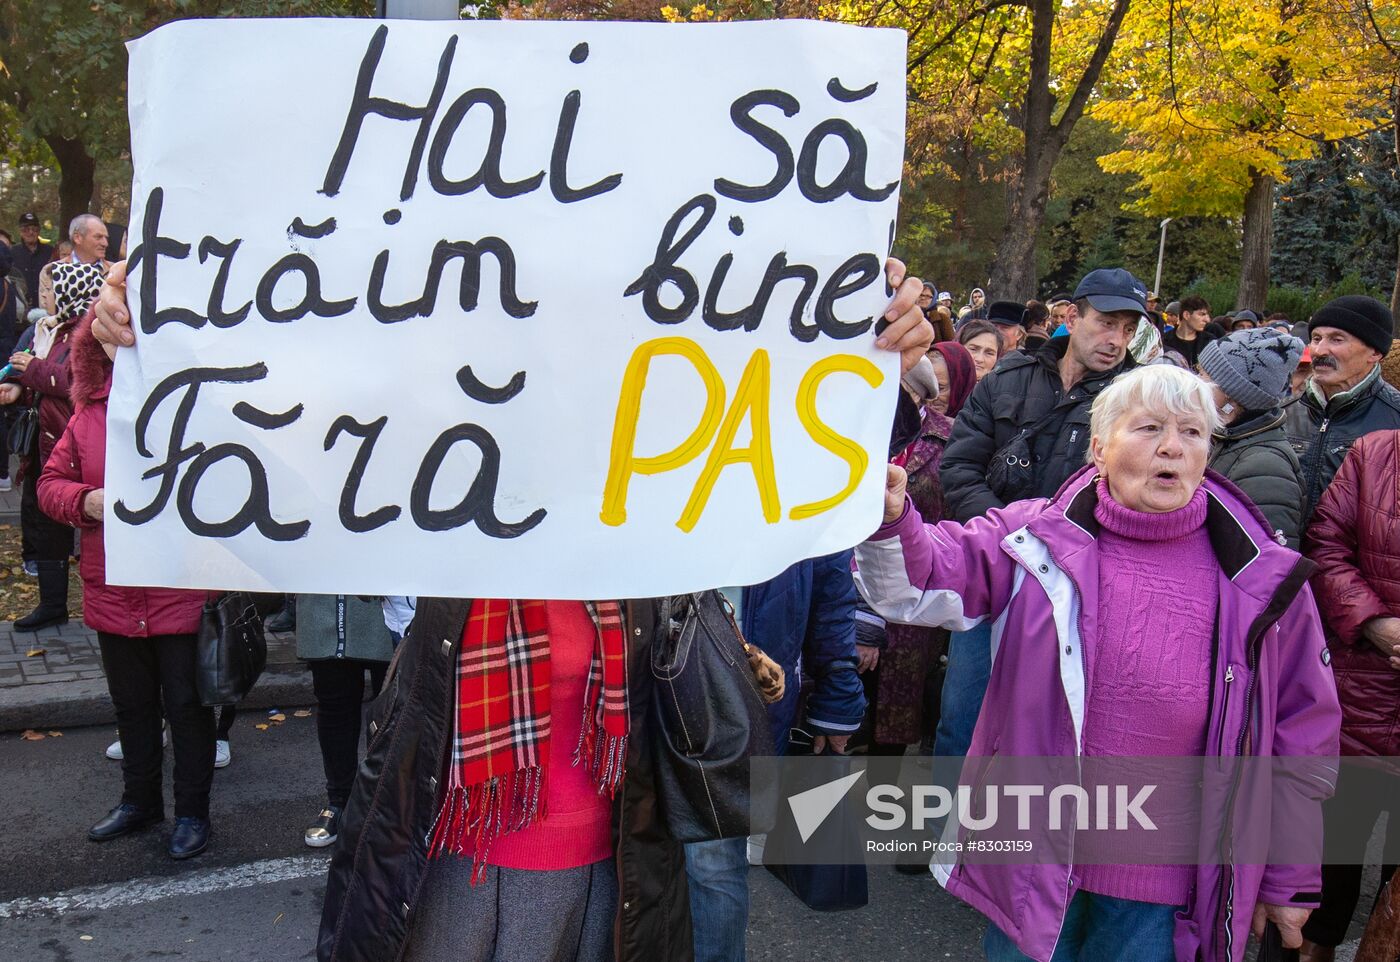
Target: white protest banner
<point>560,310</point>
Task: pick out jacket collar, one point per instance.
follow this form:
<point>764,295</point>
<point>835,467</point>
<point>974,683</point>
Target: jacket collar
<point>1054,350</point>
<point>1239,535</point>
<point>1339,402</point>
<point>1255,425</point>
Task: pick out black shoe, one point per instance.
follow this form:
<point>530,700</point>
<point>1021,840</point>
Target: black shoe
<point>323,831</point>
<point>123,820</point>
<point>53,598</point>
<point>191,837</point>
<point>284,621</point>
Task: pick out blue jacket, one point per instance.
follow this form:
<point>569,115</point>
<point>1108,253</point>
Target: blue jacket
<point>804,619</point>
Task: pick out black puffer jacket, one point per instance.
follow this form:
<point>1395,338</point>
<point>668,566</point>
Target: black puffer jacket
<point>380,858</point>
<point>1256,455</point>
<point>1022,390</point>
<point>1321,438</point>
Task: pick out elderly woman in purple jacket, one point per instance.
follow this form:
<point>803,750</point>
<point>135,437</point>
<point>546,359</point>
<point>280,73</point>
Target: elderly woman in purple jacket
<point>1145,610</point>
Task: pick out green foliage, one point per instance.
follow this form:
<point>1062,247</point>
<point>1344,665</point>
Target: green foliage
<point>1339,215</point>
<point>949,222</point>
<point>1089,225</point>
<point>63,71</point>
<point>1298,303</point>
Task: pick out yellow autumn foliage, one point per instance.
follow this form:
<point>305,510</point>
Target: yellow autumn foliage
<point>1211,93</point>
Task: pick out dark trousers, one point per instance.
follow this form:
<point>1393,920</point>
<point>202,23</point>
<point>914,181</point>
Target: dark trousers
<point>227,713</point>
<point>42,538</point>
<point>1348,818</point>
<point>144,674</point>
<point>339,684</point>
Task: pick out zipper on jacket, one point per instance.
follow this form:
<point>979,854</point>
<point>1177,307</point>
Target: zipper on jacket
<point>1225,707</point>
<point>1229,862</point>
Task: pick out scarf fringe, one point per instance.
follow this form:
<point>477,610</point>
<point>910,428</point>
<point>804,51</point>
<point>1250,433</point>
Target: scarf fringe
<point>605,759</point>
<point>473,817</point>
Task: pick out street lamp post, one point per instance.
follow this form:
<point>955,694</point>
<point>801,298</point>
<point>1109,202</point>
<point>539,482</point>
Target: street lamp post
<point>1161,253</point>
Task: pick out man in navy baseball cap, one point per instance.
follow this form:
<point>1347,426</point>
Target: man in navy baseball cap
<point>1110,302</point>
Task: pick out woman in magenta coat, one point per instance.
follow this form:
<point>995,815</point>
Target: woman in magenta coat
<point>147,635</point>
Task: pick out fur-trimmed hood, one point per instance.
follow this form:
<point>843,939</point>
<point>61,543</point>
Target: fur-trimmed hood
<point>90,371</point>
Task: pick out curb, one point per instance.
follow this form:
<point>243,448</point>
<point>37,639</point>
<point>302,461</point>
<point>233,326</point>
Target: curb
<point>77,704</point>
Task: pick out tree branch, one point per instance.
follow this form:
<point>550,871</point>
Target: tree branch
<point>1089,79</point>
<point>942,41</point>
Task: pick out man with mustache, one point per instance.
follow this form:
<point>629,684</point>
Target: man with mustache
<point>1345,398</point>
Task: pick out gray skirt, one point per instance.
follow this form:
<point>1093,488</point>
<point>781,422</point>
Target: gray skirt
<point>514,915</point>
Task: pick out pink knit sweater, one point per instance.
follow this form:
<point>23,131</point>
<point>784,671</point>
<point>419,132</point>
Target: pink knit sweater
<point>577,826</point>
<point>1148,677</point>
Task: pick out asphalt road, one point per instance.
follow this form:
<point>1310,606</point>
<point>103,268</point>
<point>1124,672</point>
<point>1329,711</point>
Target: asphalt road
<point>255,896</point>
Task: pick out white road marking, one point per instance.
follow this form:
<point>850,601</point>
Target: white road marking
<point>98,898</point>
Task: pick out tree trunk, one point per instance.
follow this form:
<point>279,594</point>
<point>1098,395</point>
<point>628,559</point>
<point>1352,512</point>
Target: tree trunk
<point>1013,271</point>
<point>1258,243</point>
<point>77,171</point>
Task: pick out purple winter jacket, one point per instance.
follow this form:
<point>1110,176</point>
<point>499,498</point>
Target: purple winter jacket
<point>1032,568</point>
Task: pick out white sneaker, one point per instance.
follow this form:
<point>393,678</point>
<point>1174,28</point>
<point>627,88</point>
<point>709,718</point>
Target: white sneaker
<point>756,845</point>
<point>222,755</point>
<point>4,484</point>
<point>114,750</point>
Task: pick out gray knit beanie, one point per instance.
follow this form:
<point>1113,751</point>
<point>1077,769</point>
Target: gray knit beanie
<point>1253,366</point>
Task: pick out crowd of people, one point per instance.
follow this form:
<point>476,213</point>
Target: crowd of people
<point>1214,494</point>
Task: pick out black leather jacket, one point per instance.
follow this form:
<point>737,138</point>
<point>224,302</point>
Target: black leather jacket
<point>380,857</point>
<point>1321,438</point>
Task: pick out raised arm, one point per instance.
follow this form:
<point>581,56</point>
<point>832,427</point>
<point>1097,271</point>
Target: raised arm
<point>946,575</point>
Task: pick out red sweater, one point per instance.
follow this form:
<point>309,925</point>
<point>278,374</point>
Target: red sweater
<point>577,825</point>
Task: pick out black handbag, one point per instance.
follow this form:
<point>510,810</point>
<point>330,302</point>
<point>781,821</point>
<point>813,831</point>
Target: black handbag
<point>710,719</point>
<point>24,430</point>
<point>231,650</point>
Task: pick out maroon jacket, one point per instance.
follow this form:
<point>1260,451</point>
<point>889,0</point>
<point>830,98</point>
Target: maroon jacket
<point>77,467</point>
<point>1355,540</point>
<point>45,380</point>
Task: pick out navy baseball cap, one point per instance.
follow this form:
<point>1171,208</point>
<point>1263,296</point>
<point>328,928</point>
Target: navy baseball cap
<point>1113,289</point>
<point>28,219</point>
<point>1007,312</point>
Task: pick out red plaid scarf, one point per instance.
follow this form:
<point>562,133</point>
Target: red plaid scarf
<point>497,774</point>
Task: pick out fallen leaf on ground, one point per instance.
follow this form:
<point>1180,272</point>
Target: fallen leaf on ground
<point>55,734</point>
<point>279,717</point>
<point>35,652</point>
<point>304,713</point>
<point>85,938</point>
<point>278,919</point>
<point>30,735</point>
<point>261,727</point>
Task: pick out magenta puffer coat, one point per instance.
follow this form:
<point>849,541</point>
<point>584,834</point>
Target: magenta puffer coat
<point>76,467</point>
<point>1032,569</point>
